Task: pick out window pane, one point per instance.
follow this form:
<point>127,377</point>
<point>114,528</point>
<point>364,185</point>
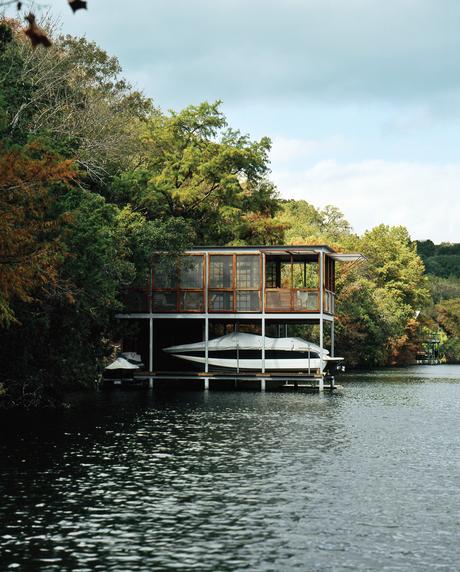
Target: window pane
<point>164,301</point>
<point>191,301</point>
<point>221,272</point>
<point>271,274</point>
<point>247,301</point>
<point>164,275</point>
<point>247,271</point>
<point>220,301</point>
<point>278,300</point>
<point>191,275</point>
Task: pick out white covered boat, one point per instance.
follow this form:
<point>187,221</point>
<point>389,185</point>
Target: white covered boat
<point>241,351</point>
<point>123,368</point>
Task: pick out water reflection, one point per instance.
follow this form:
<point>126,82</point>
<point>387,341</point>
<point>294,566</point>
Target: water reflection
<point>236,481</point>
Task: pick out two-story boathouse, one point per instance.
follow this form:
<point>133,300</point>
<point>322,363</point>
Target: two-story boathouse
<point>214,291</point>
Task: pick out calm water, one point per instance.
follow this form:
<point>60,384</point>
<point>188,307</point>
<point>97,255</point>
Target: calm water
<point>130,481</point>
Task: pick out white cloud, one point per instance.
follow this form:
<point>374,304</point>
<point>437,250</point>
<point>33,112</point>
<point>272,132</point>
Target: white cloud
<point>422,197</point>
<point>289,149</point>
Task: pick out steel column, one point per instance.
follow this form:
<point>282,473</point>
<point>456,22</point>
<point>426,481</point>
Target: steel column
<point>151,351</point>
<point>321,320</point>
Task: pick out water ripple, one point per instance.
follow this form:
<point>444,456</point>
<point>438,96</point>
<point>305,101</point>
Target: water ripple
<point>238,481</point>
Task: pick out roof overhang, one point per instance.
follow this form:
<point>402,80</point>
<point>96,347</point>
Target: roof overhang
<point>348,257</point>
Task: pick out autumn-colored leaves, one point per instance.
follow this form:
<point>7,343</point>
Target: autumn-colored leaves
<point>37,35</point>
<point>29,252</point>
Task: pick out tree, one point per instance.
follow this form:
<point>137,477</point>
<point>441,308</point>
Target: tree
<point>196,168</point>
<point>73,93</point>
<point>306,224</point>
<point>30,251</point>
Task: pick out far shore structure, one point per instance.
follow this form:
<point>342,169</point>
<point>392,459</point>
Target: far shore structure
<point>215,291</point>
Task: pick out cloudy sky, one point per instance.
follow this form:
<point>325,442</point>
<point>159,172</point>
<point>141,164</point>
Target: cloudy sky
<point>360,97</point>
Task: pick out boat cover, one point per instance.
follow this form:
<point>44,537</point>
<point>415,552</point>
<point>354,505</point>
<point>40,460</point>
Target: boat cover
<point>242,341</point>
<point>122,363</point>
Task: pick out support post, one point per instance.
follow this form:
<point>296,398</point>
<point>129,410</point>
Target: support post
<point>206,340</point>
<point>263,314</point>
<point>262,384</point>
<point>332,339</point>
<point>151,351</point>
<point>206,320</point>
<point>321,320</point>
<point>263,344</point>
<point>206,383</point>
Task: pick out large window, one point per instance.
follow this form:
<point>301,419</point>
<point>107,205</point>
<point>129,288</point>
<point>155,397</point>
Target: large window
<point>164,274</point>
<point>247,271</point>
<point>191,273</point>
<point>221,271</point>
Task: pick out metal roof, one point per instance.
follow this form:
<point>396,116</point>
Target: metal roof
<point>348,257</point>
<point>288,248</point>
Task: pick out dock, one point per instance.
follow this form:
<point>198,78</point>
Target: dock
<point>311,383</point>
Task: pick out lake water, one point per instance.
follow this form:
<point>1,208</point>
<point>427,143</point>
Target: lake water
<point>367,479</point>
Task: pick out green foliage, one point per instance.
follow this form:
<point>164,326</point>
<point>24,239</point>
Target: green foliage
<point>198,169</point>
<point>395,265</point>
<point>441,260</point>
<point>306,224</point>
<point>443,288</point>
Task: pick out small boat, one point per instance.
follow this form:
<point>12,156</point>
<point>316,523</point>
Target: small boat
<point>241,351</point>
<point>123,368</point>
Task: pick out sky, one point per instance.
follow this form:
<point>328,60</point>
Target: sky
<point>361,98</point>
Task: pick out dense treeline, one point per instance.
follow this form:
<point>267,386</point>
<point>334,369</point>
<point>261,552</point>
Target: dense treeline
<point>442,262</point>
<point>94,177</point>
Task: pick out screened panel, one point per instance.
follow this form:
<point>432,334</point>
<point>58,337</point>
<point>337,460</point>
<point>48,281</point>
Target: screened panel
<point>164,275</point>
<point>191,301</point>
<point>278,300</point>
<point>221,272</point>
<point>329,302</point>
<point>248,271</point>
<point>164,301</point>
<point>271,274</point>
<point>306,301</point>
<point>191,274</point>
<point>220,301</point>
<point>247,301</point>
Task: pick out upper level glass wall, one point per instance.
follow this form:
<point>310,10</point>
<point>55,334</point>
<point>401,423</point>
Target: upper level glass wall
<point>235,283</point>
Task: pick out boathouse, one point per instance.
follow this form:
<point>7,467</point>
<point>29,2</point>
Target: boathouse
<point>213,291</point>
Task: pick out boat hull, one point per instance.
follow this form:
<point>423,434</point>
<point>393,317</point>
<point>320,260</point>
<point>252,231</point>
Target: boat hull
<point>280,364</point>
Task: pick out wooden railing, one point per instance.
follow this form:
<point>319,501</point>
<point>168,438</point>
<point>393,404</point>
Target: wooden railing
<point>277,300</point>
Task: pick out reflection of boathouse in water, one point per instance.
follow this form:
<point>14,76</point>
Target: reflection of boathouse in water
<point>249,296</point>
